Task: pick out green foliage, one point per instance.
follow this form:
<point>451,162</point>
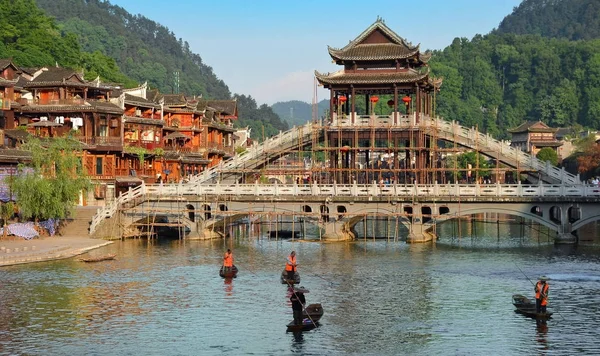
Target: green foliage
<point>548,154</point>
<point>50,185</point>
<point>141,152</point>
<point>479,165</point>
<point>262,121</point>
<point>569,19</point>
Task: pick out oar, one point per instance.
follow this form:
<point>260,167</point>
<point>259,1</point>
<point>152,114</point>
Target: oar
<point>530,281</point>
<point>303,306</point>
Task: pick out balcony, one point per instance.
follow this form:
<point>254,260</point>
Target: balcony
<point>67,102</point>
<point>106,142</point>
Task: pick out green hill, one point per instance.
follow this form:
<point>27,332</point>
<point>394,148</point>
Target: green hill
<point>568,19</point>
<point>297,113</point>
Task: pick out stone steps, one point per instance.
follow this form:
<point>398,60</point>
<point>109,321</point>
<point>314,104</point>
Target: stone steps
<point>80,223</point>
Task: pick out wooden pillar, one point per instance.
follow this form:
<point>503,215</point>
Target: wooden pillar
<point>331,106</point>
<point>395,103</point>
<point>418,102</point>
<point>353,119</point>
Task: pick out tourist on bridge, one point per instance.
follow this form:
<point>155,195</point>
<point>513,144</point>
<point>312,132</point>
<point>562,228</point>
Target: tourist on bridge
<point>541,295</point>
<point>228,260</point>
<point>291,266</point>
<point>298,302</point>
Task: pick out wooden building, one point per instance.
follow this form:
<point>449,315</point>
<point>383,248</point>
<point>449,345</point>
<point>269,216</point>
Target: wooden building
<point>379,65</point>
<point>532,136</point>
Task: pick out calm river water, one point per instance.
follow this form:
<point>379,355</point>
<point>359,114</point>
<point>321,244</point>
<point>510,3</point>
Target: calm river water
<point>380,297</point>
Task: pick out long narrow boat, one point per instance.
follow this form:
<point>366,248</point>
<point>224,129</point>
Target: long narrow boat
<point>231,273</point>
<point>315,311</point>
<point>305,326</point>
<point>526,307</point>
<point>98,258</point>
<point>285,280</point>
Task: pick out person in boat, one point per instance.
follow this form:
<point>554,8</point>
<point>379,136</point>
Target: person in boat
<point>228,261</point>
<point>298,302</point>
<point>291,266</point>
<point>541,294</point>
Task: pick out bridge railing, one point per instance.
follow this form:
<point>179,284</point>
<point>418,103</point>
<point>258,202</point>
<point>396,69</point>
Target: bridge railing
<point>483,191</point>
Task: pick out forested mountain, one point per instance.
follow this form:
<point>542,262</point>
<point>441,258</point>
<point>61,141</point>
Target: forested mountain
<point>148,51</point>
<point>568,19</point>
<point>496,82</point>
<point>33,39</point>
<point>297,113</point>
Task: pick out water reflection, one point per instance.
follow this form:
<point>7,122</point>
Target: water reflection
<point>381,297</point>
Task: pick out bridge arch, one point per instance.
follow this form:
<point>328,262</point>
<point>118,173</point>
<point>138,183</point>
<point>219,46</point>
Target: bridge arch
<point>191,212</point>
<point>499,210</point>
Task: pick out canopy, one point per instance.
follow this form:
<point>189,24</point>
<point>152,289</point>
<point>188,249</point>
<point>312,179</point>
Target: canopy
<point>176,135</point>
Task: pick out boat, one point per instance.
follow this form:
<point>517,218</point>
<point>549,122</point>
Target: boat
<point>285,280</point>
<point>306,325</point>
<point>315,311</point>
<point>98,258</point>
<point>232,273</point>
<point>526,307</point>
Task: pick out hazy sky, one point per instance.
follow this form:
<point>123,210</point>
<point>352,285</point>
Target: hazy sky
<point>270,48</point>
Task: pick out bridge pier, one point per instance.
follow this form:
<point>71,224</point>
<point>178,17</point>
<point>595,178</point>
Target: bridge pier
<point>417,232</point>
<point>337,231</point>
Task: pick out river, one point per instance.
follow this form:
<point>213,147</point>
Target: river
<point>380,297</point>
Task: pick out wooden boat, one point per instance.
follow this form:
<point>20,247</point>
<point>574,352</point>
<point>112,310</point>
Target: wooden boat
<point>306,325</point>
<point>285,280</point>
<point>232,273</point>
<point>98,258</point>
<point>315,311</point>
<point>526,307</point>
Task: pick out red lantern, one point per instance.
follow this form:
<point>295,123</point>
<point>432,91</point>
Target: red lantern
<point>342,99</point>
<point>374,99</point>
<point>344,148</point>
<point>390,103</point>
<point>406,99</point>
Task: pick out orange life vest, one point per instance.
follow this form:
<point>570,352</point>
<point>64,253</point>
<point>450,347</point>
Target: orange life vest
<point>290,265</point>
<point>228,260</point>
<point>541,292</point>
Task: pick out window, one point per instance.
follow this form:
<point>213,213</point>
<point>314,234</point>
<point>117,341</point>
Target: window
<point>98,166</point>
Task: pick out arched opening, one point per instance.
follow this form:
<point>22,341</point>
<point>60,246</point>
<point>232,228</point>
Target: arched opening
<point>574,214</point>
<point>341,211</point>
<point>223,207</point>
<point>444,210</point>
<point>207,211</point>
<point>556,214</point>
<point>537,211</point>
<point>426,213</point>
<point>306,209</point>
<point>324,213</point>
<point>408,210</point>
<point>191,212</point>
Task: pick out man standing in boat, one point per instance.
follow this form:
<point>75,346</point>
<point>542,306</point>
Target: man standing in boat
<point>298,301</point>
<point>541,295</point>
<point>227,261</point>
<point>290,266</point>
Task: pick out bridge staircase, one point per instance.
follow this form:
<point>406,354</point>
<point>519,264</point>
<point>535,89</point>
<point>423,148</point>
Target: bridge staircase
<point>271,149</point>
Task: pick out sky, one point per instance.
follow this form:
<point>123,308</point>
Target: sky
<point>269,49</point>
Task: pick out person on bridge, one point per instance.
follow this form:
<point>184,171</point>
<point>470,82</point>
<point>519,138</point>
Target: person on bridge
<point>298,302</point>
<point>541,295</point>
<point>291,266</point>
<point>228,260</point>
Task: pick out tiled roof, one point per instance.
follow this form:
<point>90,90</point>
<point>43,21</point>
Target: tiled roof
<point>90,106</point>
<point>14,155</point>
<point>174,99</point>
<point>56,76</point>
<point>145,121</point>
<point>377,42</point>
<point>532,126</point>
<point>105,106</point>
<point>5,63</point>
<point>372,77</point>
<point>227,107</point>
<point>373,52</point>
<point>7,83</point>
<point>17,134</point>
<point>139,101</point>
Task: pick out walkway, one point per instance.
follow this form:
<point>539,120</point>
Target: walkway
<point>18,251</point>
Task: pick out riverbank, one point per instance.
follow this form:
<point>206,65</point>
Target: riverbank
<point>19,251</point>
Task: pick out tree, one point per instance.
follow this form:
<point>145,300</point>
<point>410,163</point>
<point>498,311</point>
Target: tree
<point>49,186</point>
<point>548,154</point>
